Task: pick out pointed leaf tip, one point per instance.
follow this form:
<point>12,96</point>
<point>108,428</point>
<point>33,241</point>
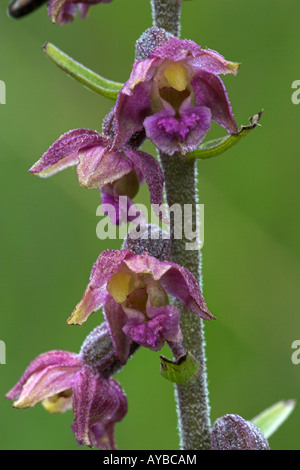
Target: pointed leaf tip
<point>270,419</point>
<point>216,147</point>
<point>180,371</point>
<point>82,74</point>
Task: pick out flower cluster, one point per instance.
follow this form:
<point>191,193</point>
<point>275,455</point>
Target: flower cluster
<point>171,97</point>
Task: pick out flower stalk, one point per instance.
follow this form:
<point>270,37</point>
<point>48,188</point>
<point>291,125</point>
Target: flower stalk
<point>192,397</point>
<point>180,185</point>
<point>166,15</point>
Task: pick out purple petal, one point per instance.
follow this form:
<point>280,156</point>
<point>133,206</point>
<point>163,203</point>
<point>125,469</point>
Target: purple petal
<point>130,112</point>
<point>41,362</point>
<point>64,152</point>
<point>176,50</point>
<point>96,294</point>
<point>102,434</point>
<point>106,265</point>
<point>98,166</point>
<point>213,62</point>
<point>151,171</point>
<point>46,383</point>
<point>210,92</point>
<point>59,10</point>
<point>116,319</point>
<point>92,300</point>
<point>117,208</point>
<point>96,401</point>
<point>199,59</point>
<point>181,284</point>
<point>84,10</point>
<point>142,71</point>
<point>66,15</point>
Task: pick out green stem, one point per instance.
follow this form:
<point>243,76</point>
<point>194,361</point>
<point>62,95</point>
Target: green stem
<point>192,397</point>
<point>180,184</point>
<point>166,14</point>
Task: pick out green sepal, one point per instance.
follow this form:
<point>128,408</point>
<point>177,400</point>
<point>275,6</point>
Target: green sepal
<point>215,147</point>
<point>83,75</point>
<point>180,371</point>
<point>270,419</point>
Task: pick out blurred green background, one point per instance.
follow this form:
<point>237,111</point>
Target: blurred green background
<point>251,195</point>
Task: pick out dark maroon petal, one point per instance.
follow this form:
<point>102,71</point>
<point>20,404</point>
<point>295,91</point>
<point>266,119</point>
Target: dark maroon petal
<point>102,434</point>
<point>96,401</point>
<point>130,112</point>
<point>181,284</point>
<point>116,320</point>
<point>151,171</point>
<point>210,92</point>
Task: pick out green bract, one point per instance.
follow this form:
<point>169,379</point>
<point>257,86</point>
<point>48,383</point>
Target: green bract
<point>82,74</point>
<point>180,371</point>
<point>216,147</point>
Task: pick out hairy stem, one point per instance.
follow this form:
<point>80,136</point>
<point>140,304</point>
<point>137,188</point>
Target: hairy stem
<point>180,184</point>
<point>166,15</point>
<point>192,397</point>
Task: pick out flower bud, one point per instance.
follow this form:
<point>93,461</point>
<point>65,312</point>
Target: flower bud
<point>19,8</point>
<point>231,432</point>
<point>149,40</point>
<point>150,240</point>
<point>128,185</point>
<point>97,351</point>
